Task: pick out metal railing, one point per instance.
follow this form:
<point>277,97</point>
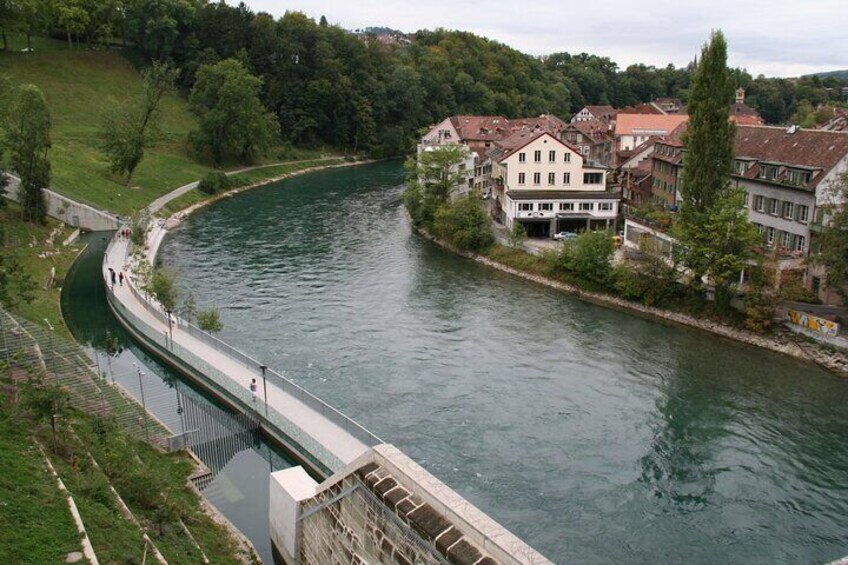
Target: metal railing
<point>228,385</point>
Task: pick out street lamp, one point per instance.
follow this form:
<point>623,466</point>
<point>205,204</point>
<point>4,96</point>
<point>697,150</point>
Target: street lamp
<point>170,329</point>
<point>143,403</point>
<point>264,368</point>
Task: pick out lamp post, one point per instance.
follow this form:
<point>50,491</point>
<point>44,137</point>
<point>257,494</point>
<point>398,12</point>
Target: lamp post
<point>170,329</point>
<point>143,403</point>
<point>264,368</point>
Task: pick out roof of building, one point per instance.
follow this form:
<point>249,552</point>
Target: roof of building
<point>746,120</point>
<point>601,110</point>
<point>648,124</point>
<point>742,109</point>
<point>596,130</point>
<point>480,128</point>
<point>507,147</point>
<point>545,122</point>
<point>643,108</point>
<point>669,105</point>
<point>793,147</point>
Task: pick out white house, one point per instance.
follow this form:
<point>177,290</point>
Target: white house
<point>545,184</point>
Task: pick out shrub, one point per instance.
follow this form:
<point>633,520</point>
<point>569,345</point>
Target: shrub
<point>209,321</point>
<point>589,256</point>
<point>464,224</point>
<point>214,182</point>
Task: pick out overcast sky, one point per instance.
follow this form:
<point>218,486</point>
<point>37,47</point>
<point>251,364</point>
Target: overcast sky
<point>773,37</point>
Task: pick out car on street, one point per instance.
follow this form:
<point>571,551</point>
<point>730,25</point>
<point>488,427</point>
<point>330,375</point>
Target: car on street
<point>565,236</point>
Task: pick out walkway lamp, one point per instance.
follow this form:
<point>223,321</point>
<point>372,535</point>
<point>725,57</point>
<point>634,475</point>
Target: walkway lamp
<point>170,329</point>
<point>264,368</point>
<point>143,403</point>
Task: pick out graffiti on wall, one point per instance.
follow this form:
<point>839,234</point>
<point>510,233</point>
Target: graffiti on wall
<point>814,323</point>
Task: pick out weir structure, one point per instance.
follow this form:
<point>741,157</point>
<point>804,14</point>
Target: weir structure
<point>354,499</point>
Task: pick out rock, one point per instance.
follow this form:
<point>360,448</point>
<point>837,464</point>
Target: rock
<point>74,557</point>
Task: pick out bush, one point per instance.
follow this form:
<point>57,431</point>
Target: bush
<point>589,256</point>
<point>464,224</point>
<point>214,182</point>
<point>209,321</point>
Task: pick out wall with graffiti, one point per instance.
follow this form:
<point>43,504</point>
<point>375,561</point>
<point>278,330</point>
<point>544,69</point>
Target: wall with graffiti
<point>814,323</point>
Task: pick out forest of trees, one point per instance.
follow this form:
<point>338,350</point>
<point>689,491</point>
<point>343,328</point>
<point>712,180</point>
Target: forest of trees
<point>327,86</point>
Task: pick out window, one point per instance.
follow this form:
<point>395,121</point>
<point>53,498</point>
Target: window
<point>584,149</point>
<point>537,156</point>
<point>552,156</point>
<point>566,206</point>
<point>760,227</point>
<point>768,172</point>
<point>769,235</point>
<point>759,203</point>
<point>579,138</point>
<point>521,177</point>
<point>567,157</point>
<point>606,206</point>
<point>592,178</point>
<point>522,157</point>
<point>803,213</point>
<point>798,178</point>
<point>772,206</point>
<point>566,178</point>
<point>800,243</point>
<point>785,239</point>
<point>788,210</point>
<point>525,206</point>
<point>587,206</point>
<point>745,200</point>
<point>551,178</point>
<point>546,206</point>
<point>537,178</point>
<point>741,167</point>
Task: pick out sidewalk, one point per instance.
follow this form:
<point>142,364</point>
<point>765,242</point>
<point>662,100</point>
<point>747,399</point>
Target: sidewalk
<point>332,437</point>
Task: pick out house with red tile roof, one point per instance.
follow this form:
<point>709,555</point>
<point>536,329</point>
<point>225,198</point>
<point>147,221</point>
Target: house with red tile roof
<point>592,138</point>
<point>631,130</point>
<point>604,113</point>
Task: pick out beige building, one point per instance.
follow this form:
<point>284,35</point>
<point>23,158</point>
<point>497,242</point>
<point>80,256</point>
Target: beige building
<point>546,185</point>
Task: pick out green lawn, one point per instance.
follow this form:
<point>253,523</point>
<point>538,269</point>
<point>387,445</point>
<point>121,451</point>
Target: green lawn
<point>78,84</point>
<point>29,242</point>
<point>35,523</point>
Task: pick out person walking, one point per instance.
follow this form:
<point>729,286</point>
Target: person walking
<point>112,276</point>
<point>121,278</point>
<point>253,389</point>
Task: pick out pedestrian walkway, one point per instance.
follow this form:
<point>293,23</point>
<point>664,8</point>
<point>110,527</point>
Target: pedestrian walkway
<point>319,431</point>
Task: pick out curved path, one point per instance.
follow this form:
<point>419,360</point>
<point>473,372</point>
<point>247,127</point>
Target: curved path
<point>282,406</point>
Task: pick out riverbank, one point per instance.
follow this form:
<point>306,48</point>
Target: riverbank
<point>785,342</point>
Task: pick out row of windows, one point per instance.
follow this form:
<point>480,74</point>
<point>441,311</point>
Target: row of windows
<point>784,238</point>
<point>552,157</point>
<point>565,206</point>
<point>796,177</point>
<point>588,178</point>
<point>783,208</point>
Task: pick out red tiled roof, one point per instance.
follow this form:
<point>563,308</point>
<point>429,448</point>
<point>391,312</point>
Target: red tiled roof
<point>545,122</point>
<point>513,143</point>
<point>480,128</point>
<point>641,109</point>
<point>596,130</point>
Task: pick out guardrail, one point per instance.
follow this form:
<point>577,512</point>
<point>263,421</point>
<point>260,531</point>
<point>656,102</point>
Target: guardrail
<point>240,393</point>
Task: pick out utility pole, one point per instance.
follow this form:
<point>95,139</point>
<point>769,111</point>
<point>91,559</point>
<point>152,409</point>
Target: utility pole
<point>143,403</point>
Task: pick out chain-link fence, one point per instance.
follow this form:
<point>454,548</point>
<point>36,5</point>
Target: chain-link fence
<point>28,349</point>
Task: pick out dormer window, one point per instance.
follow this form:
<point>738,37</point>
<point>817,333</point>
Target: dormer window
<point>768,172</point>
<point>798,178</point>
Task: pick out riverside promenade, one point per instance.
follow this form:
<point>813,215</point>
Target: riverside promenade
<point>317,434</point>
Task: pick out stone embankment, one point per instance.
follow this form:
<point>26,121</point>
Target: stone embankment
<point>784,342</point>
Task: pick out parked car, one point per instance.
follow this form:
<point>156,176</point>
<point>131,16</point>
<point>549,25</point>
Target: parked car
<point>565,236</point>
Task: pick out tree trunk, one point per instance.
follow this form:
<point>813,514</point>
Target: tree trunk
<point>29,42</point>
<point>5,43</point>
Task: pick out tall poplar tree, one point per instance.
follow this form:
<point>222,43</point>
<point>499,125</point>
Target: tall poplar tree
<point>27,139</point>
<point>713,230</point>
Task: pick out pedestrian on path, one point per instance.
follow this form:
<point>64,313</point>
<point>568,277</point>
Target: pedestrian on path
<point>253,389</point>
<point>121,278</point>
<point>112,276</point>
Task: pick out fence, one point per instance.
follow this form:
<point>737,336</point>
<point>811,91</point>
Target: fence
<point>38,352</point>
<point>314,451</point>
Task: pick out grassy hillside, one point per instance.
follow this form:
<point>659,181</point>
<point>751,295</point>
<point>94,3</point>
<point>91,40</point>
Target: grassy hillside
<point>78,85</point>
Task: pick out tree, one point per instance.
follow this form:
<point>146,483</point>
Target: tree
<point>232,118</point>
<point>16,284</point>
<point>10,13</point>
<point>127,131</point>
<point>834,239</point>
<point>27,139</point>
<point>517,235</point>
<point>48,403</point>
<point>164,288</point>
<point>431,178</point>
<point>714,234</point>
<point>589,256</point>
<point>188,309</point>
<point>464,224</point>
<point>209,320</point>
<point>73,17</point>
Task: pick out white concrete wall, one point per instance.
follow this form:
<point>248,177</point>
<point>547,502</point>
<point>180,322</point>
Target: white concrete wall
<point>69,211</point>
<point>529,167</point>
<point>288,489</point>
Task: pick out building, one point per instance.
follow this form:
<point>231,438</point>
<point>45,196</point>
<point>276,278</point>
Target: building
<point>592,139</point>
<point>603,113</point>
<point>667,169</point>
<point>546,185</point>
<point>743,114</point>
<point>632,130</point>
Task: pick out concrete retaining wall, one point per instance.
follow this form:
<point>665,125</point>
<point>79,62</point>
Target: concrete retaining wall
<point>69,211</point>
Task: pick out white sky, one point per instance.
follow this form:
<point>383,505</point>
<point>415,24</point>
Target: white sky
<point>772,37</point>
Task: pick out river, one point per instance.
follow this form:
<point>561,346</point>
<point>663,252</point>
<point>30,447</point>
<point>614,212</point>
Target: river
<point>595,436</point>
